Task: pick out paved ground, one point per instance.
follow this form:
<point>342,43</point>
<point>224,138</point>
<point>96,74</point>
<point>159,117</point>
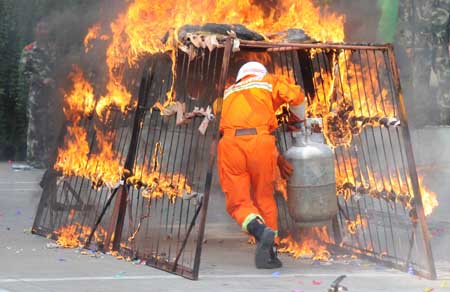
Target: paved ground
<point>27,265</point>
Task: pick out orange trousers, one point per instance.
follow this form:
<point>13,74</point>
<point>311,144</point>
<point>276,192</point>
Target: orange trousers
<point>247,173</point>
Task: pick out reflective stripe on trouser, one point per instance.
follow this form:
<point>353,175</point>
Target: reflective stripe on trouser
<point>246,170</point>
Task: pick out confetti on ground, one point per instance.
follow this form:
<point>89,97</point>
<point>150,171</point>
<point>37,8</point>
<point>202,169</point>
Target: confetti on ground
<point>27,230</point>
<point>18,212</point>
<point>276,274</point>
<point>61,259</point>
<point>428,290</point>
<point>444,284</point>
<point>316,282</point>
<point>296,290</point>
<point>119,275</point>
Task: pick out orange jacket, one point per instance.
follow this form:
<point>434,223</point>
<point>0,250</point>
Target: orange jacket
<point>253,102</point>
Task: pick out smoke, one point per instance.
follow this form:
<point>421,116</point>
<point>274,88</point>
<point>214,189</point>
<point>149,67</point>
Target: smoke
<point>59,29</point>
<point>67,28</point>
<point>361,19</point>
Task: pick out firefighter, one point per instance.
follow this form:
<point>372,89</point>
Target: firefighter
<point>247,154</point>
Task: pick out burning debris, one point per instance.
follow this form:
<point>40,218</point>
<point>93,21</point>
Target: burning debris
<point>352,225</point>
<point>75,235</point>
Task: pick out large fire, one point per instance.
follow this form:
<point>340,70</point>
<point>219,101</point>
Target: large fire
<point>148,26</point>
<point>139,31</point>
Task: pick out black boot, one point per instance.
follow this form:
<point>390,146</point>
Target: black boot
<point>265,257</point>
<point>274,257</point>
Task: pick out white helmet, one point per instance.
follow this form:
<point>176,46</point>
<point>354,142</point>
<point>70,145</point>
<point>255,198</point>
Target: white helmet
<point>251,68</point>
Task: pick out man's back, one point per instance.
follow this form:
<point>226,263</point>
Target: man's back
<point>253,102</point>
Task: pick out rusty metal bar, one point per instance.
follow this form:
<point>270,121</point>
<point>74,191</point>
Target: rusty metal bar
<point>412,166</point>
<point>354,148</point>
<point>296,46</point>
<point>383,147</point>
<point>212,156</point>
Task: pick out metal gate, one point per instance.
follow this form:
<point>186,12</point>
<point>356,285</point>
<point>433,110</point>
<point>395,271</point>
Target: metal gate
<point>356,91</point>
<point>163,168</point>
<point>157,211</point>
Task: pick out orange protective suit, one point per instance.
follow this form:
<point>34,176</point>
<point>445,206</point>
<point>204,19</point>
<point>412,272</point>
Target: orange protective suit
<point>247,162</point>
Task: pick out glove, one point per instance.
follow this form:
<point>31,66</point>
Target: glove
<point>296,117</point>
<point>294,123</point>
<point>285,167</point>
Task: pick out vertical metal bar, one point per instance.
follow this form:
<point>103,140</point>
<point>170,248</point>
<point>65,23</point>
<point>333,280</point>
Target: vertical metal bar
<point>164,127</point>
<point>344,199</point>
<point>412,167</point>
<point>212,158</point>
<point>355,177</point>
<point>388,202</point>
<point>188,132</point>
<point>99,219</point>
<point>375,147</point>
<point>368,161</point>
<point>185,133</point>
<point>47,191</point>
<point>311,66</point>
<point>344,54</point>
<point>131,157</point>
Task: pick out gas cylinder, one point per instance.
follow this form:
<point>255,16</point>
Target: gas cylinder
<point>311,189</point>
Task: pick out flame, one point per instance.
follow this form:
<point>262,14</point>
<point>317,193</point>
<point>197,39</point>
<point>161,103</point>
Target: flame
<point>73,235</point>
<point>73,158</point>
<point>351,180</point>
<point>352,225</point>
<point>80,101</point>
<point>105,166</point>
<point>311,244</point>
<point>429,198</point>
<point>92,34</point>
<point>348,97</point>
<point>140,30</point>
<point>157,184</point>
<point>147,27</point>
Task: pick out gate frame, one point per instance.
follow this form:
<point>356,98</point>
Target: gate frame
<point>229,44</point>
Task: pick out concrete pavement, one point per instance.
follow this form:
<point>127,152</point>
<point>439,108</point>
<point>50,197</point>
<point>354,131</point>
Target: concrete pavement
<point>227,263</point>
